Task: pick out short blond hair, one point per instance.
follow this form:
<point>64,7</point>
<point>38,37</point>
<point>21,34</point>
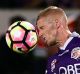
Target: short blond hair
<point>52,10</point>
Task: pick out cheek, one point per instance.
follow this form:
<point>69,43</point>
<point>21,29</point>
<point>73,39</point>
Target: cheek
<point>53,34</point>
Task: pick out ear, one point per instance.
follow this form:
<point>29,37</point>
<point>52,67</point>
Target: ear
<point>57,23</point>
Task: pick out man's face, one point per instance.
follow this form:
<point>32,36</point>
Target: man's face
<point>47,31</point>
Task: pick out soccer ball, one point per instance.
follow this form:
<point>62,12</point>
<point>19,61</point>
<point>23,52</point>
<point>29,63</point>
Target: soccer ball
<point>21,37</point>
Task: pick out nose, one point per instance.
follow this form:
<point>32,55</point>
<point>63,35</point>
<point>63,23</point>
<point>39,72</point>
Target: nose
<point>40,33</point>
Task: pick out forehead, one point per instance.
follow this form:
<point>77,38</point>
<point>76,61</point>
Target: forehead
<point>44,21</point>
<point>40,22</point>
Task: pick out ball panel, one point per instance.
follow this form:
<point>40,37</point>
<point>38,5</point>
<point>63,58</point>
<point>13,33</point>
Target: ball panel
<point>17,33</point>
<point>32,48</point>
<point>19,47</point>
<point>8,40</point>
<point>14,24</point>
<point>27,25</point>
<point>31,39</point>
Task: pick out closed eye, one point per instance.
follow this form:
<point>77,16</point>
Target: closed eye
<point>42,27</point>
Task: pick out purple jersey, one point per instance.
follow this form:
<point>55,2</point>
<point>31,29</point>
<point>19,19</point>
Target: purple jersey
<point>66,61</point>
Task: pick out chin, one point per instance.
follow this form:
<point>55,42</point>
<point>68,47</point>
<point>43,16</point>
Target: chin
<point>48,44</point>
<point>52,44</point>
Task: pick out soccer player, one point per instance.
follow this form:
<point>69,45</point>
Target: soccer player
<point>52,25</point>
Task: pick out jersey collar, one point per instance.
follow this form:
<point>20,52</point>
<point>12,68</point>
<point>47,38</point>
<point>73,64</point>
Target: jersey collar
<point>74,34</point>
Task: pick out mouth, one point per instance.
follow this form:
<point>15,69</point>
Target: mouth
<point>44,39</point>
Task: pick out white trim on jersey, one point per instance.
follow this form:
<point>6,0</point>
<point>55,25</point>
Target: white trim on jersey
<point>74,34</point>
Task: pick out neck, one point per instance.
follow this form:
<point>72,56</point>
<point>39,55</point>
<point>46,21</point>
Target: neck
<point>63,37</point>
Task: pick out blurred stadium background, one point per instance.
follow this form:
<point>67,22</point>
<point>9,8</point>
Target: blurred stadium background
<point>34,62</point>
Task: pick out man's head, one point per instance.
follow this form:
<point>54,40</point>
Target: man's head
<point>51,22</point>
